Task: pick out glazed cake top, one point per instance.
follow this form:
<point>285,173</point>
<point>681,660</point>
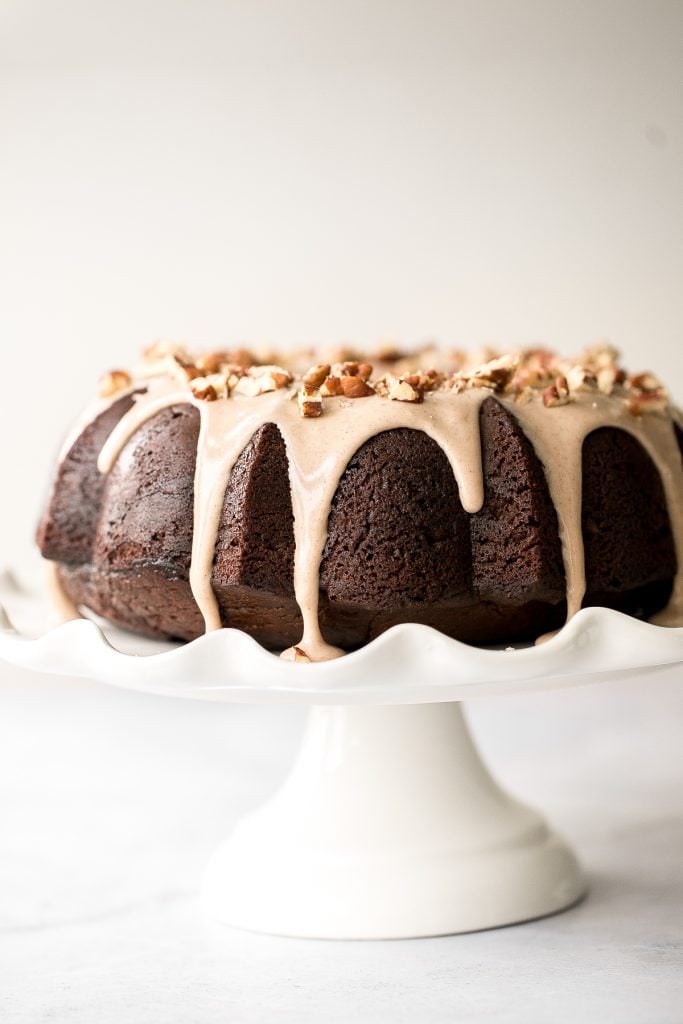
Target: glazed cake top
<point>557,401</point>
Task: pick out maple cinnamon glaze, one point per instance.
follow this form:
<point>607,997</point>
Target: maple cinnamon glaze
<point>327,415</point>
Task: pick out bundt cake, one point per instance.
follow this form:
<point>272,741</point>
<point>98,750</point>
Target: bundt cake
<point>490,498</point>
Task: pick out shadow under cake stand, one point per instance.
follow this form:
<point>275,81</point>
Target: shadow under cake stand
<point>389,824</point>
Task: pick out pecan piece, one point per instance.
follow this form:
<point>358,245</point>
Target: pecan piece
<point>309,401</point>
<point>557,393</point>
<point>355,387</point>
<point>401,390</point>
<point>316,376</point>
<point>113,382</point>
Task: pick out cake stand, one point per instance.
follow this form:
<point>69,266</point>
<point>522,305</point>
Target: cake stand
<point>389,824</point>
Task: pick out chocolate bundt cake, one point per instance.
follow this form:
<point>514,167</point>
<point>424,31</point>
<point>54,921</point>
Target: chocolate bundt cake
<point>314,510</point>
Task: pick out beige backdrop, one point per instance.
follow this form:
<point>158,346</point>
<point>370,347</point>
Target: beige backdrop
<point>292,171</point>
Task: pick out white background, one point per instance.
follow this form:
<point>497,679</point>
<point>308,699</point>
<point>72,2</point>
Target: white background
<point>287,172</point>
<point>292,170</point>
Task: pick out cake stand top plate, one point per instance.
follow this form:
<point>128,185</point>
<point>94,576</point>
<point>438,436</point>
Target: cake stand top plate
<point>409,664</point>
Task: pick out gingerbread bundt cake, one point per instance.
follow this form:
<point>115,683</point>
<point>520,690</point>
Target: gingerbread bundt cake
<point>315,510</point>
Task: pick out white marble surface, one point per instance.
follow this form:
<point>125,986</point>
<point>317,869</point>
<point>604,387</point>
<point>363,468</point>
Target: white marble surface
<point>111,803</point>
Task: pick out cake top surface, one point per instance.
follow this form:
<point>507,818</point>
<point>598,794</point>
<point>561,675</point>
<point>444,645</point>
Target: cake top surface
<point>439,392</point>
<point>522,375</point>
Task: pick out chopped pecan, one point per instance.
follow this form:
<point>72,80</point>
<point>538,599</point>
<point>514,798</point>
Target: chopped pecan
<point>496,374</point>
<point>181,368</point>
<point>641,402</point>
<point>579,378</point>
<point>259,380</point>
<point>331,387</point>
<point>211,387</point>
<point>557,393</point>
<point>113,382</point>
<point>201,388</point>
<point>643,382</point>
<point>608,377</point>
<point>355,387</point>
<point>310,401</point>
<point>316,375</point>
<point>401,390</point>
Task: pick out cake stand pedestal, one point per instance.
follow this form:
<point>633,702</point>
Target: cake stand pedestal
<point>389,824</point>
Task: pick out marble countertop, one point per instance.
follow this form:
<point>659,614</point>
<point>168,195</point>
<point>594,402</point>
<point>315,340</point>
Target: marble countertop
<point>111,803</point>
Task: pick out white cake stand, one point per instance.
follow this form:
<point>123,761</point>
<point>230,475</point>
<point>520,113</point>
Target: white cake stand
<point>389,825</point>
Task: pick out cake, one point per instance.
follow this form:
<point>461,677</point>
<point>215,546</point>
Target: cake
<point>490,497</point>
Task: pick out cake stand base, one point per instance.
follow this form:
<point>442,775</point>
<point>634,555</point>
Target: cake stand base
<point>389,826</point>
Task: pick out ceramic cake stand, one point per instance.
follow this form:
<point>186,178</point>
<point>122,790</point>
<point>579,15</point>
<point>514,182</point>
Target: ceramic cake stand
<point>389,825</point>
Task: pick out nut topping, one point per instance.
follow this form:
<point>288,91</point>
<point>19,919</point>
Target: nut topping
<point>557,393</point>
<point>113,382</point>
<point>309,401</point>
<point>608,377</point>
<point>645,394</point>
<point>200,388</point>
<point>210,388</point>
<point>401,390</point>
<point>527,375</point>
<point>496,374</point>
<point>331,387</point>
<point>643,382</point>
<point>647,402</point>
<point>212,362</point>
<point>580,379</point>
<point>260,380</point>
<point>317,375</point>
<point>355,387</point>
<point>430,380</point>
<point>602,356</point>
<point>181,368</point>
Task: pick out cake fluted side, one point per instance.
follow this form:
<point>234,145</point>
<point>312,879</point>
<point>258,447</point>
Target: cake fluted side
<point>238,513</point>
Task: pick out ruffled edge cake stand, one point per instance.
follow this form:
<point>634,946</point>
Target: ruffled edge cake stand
<point>389,824</point>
